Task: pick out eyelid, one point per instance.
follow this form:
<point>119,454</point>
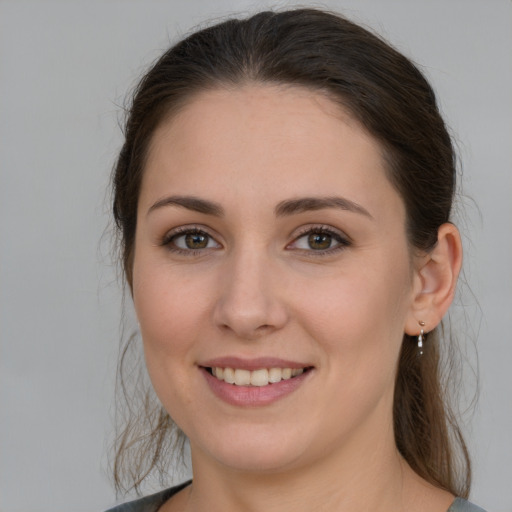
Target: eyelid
<point>322,228</point>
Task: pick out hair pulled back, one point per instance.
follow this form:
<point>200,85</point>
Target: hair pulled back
<point>392,100</point>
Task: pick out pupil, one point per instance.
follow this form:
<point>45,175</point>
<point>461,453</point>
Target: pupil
<point>319,241</point>
<point>196,241</point>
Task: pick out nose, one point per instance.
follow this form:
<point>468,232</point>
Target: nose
<point>251,301</point>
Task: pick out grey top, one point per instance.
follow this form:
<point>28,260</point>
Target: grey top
<point>155,501</point>
<point>460,505</point>
<point>149,503</point>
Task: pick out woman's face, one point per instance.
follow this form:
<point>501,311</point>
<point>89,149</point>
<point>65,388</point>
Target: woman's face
<point>269,244</point>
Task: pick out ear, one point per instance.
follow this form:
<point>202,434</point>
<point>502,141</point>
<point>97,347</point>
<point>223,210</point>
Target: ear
<point>435,280</point>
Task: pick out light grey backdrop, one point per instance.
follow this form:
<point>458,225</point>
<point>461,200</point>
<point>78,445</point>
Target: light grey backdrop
<point>65,66</point>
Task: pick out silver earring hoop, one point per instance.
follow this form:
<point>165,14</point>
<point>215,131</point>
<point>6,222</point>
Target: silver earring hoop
<point>420,342</point>
<point>421,338</point>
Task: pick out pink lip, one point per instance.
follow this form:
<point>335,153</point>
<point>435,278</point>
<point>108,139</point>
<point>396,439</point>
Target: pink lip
<point>253,364</point>
<point>253,396</point>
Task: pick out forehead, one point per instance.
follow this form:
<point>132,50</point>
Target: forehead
<point>267,116</point>
<point>265,140</point>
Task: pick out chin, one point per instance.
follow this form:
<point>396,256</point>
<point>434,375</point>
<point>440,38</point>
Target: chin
<point>253,453</point>
<point>259,460</point>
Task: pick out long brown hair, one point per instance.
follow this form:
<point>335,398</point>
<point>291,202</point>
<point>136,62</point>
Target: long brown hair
<point>392,100</point>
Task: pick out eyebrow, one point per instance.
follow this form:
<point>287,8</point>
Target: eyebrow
<point>306,204</point>
<point>284,208</point>
<point>190,203</point>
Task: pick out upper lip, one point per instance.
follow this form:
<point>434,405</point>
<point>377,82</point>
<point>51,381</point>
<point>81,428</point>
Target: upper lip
<point>252,364</point>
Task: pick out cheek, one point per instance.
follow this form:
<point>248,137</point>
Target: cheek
<point>169,313</point>
<point>359,315</point>
<point>358,325</point>
<point>169,310</point>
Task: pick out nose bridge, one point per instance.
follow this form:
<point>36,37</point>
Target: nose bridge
<point>248,303</point>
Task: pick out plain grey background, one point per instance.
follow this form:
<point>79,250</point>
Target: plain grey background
<point>65,67</point>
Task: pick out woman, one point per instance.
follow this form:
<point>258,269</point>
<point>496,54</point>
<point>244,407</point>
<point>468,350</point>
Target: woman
<point>283,198</point>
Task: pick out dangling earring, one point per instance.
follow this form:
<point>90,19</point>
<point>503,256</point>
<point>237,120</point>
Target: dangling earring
<point>421,338</point>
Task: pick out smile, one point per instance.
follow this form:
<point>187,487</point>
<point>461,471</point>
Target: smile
<point>254,382</point>
<point>260,377</point>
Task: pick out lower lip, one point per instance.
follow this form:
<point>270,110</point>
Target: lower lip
<point>253,396</point>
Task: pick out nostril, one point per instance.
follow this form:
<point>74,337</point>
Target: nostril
<point>247,331</point>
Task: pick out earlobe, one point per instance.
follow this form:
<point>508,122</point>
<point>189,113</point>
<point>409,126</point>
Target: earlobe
<point>435,281</point>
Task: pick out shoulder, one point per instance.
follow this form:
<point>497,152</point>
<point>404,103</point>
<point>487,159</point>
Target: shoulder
<point>461,505</point>
<point>149,503</point>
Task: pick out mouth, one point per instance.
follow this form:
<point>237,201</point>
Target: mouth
<point>255,378</point>
<point>254,382</point>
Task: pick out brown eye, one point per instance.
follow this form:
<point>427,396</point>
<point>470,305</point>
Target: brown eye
<point>319,241</point>
<point>189,240</point>
<point>196,240</point>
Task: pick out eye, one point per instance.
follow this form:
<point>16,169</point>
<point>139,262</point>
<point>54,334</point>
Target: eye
<point>319,240</point>
<point>190,240</point>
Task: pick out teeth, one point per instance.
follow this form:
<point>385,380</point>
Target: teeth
<point>229,375</point>
<point>242,377</point>
<point>275,375</point>
<point>286,373</point>
<point>261,377</point>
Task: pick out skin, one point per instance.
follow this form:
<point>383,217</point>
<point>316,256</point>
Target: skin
<point>258,289</point>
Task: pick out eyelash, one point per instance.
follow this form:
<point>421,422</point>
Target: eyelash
<point>170,238</point>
